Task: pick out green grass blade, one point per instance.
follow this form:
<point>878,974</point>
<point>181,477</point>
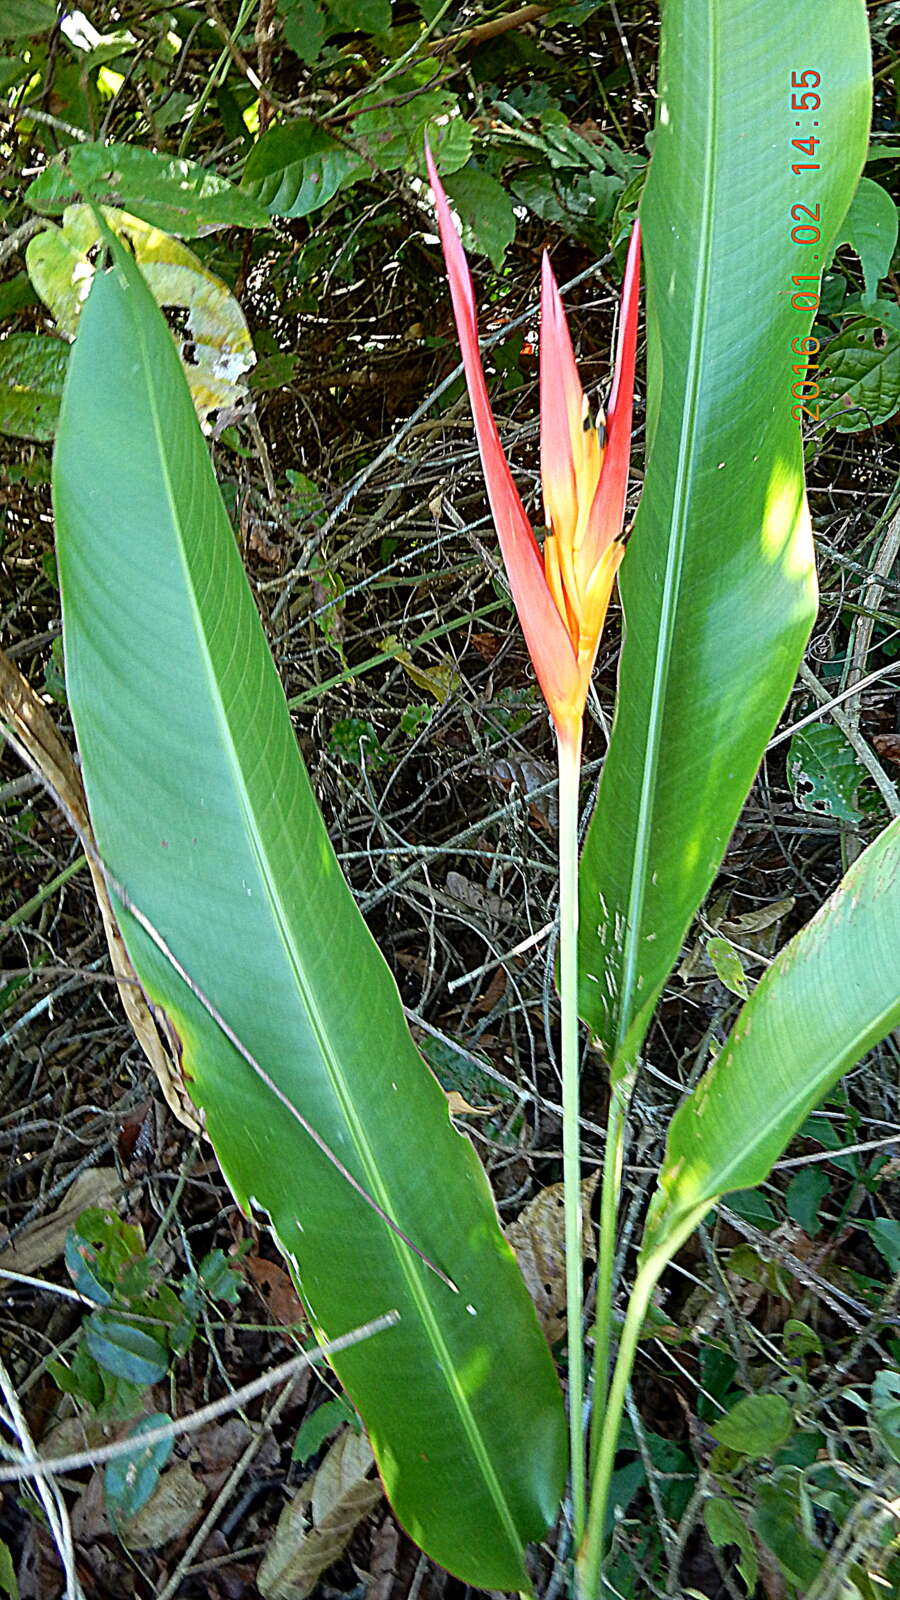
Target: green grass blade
<point>203,811</point>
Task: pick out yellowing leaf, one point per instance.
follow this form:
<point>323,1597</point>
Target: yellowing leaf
<point>441,681</point>
<point>215,345</point>
<point>315,1529</point>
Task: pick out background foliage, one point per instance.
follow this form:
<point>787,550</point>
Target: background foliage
<point>282,143</point>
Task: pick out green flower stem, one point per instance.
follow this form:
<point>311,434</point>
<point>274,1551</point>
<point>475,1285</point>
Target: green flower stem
<point>590,1556</point>
<point>569,756</point>
<point>620,1095</point>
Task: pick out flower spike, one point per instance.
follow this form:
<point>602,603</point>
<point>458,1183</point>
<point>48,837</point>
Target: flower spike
<point>561,599</point>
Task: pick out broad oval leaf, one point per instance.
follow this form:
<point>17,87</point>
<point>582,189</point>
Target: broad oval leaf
<point>718,586</point>
<point>860,377</point>
<point>125,1349</point>
<point>23,18</point>
<point>129,1480</point>
<point>298,167</point>
<point>167,191</point>
<point>829,997</point>
<point>870,228</point>
<point>203,811</point>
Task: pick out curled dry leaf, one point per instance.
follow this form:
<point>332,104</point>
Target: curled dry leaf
<point>538,1238</point>
<point>315,1529</point>
<point>478,899</point>
<point>458,1106</point>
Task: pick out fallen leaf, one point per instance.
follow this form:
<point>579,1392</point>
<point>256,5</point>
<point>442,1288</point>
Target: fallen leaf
<point>476,898</point>
<point>487,645</point>
<point>887,745</point>
<point>441,681</point>
<point>459,1107</point>
<point>523,776</point>
<point>315,1529</point>
<point>751,922</point>
<point>175,1505</point>
<point>383,1561</point>
<point>538,1238</point>
<point>493,993</point>
<point>44,1240</point>
<point>277,1290</point>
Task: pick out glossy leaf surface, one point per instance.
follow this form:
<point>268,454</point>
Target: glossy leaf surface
<point>829,997</point>
<point>204,813</point>
<point>718,586</point>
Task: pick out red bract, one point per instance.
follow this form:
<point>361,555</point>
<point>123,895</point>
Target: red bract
<point>561,597</point>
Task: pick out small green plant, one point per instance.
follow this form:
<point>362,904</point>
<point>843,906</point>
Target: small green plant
<point>141,1324</point>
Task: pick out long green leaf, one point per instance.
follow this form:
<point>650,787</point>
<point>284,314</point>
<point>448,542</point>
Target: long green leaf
<point>832,994</point>
<point>718,586</point>
<point>204,813</point>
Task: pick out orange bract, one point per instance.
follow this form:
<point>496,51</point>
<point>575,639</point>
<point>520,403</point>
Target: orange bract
<point>561,600</point>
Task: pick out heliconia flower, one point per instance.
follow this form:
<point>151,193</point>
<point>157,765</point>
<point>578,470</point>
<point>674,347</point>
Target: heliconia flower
<point>561,596</point>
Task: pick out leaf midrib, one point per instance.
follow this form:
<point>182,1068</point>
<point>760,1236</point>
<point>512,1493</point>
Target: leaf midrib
<point>318,1026</point>
<point>674,565</point>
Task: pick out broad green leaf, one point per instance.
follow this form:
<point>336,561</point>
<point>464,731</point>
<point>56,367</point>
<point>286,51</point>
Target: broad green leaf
<point>318,1426</point>
<point>870,228</point>
<point>129,1480</point>
<point>394,135</point>
<point>359,16</point>
<point>486,213</point>
<point>32,371</point>
<point>884,1233</point>
<point>718,587</point>
<point>215,341</point>
<point>860,377</point>
<point>21,19</point>
<point>203,810</point>
<point>12,70</point>
<point>727,965</point>
<point>169,192</point>
<point>756,1426</point>
<point>824,772</point>
<point>297,167</point>
<point>304,28</point>
<point>15,294</point>
<point>125,1348</point>
<point>778,1517</point>
<point>725,1525</point>
<point>829,996</point>
<point>805,1194</point>
<point>581,202</point>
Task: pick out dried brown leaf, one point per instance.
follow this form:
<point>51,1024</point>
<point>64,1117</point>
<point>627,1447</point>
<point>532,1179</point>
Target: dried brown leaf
<point>315,1529</point>
<point>277,1290</point>
<point>175,1505</point>
<point>458,1106</point>
<point>44,1240</point>
<point>538,1238</point>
